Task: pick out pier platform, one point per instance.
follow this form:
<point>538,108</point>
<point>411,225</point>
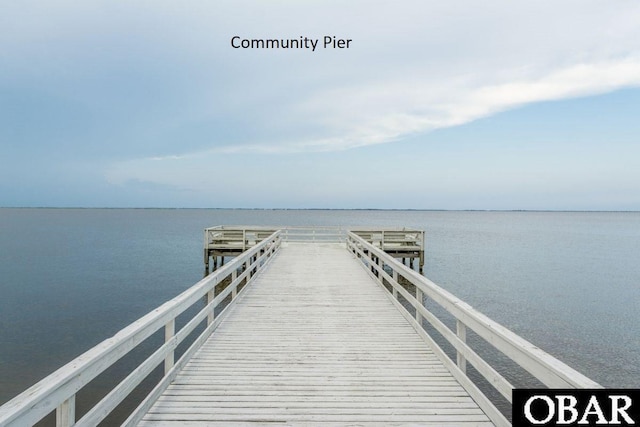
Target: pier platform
<point>222,241</point>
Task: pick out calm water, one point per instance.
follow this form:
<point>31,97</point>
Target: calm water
<point>568,282</point>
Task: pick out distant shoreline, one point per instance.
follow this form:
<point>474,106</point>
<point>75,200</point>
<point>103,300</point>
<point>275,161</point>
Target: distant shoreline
<point>322,209</point>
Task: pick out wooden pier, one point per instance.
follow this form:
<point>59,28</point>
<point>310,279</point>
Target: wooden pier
<point>225,241</point>
<point>315,343</point>
<point>315,333</point>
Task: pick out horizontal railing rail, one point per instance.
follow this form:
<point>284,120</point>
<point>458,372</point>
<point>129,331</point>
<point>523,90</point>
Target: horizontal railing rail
<point>57,392</point>
<point>244,236</point>
<point>547,369</point>
<point>390,237</point>
<point>228,238</point>
<point>240,238</point>
<point>314,234</point>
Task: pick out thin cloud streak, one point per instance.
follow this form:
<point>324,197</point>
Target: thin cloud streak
<point>361,123</point>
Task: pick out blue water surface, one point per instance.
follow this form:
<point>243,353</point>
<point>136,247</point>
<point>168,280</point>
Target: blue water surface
<point>567,281</point>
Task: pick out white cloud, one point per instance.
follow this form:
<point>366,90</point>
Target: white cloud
<point>416,66</point>
<point>387,111</point>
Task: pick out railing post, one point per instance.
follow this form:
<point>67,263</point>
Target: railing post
<point>422,254</point>
<point>419,297</point>
<point>206,253</point>
<point>394,291</point>
<point>210,296</point>
<point>66,412</point>
<point>206,262</point>
<point>169,332</point>
<point>234,291</point>
<point>461,331</point>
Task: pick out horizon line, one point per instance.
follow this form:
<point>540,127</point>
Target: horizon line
<point>322,209</point>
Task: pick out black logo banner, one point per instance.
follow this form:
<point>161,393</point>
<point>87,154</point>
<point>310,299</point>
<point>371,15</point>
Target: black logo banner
<point>576,407</point>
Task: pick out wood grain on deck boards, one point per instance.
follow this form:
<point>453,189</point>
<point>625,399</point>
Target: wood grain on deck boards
<point>314,341</point>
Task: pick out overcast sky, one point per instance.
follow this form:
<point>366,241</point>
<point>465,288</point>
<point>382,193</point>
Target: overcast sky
<point>434,105</point>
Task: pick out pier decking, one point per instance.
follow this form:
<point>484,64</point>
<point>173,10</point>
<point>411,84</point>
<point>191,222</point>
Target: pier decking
<point>303,333</point>
<point>315,343</point>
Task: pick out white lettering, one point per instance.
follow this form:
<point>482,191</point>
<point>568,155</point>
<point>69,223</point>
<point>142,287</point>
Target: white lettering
<point>567,404</point>
<point>593,408</point>
<point>617,410</point>
<point>550,405</point>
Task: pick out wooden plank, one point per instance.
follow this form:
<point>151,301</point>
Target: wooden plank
<point>316,423</point>
<point>442,420</point>
<point>257,399</point>
<point>378,408</point>
<point>314,341</point>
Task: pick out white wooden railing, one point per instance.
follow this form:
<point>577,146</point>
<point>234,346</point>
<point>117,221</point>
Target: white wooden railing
<point>314,234</point>
<point>547,369</point>
<point>235,237</point>
<point>244,236</point>
<point>58,390</point>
